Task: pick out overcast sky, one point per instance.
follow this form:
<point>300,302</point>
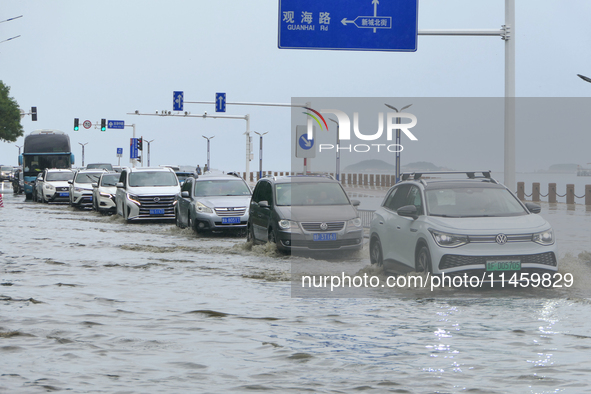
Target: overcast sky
<point>105,59</point>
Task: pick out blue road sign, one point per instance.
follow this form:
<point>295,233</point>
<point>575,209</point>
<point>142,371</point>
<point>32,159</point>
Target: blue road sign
<point>119,151</point>
<point>220,102</point>
<point>133,151</point>
<point>115,124</point>
<point>357,25</point>
<point>177,100</point>
<point>305,143</point>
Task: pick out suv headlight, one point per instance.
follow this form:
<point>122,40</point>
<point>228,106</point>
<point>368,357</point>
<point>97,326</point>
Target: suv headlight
<point>49,186</point>
<point>544,238</point>
<point>134,199</point>
<point>354,224</point>
<point>200,207</point>
<point>448,240</point>
<point>103,194</point>
<point>285,224</point>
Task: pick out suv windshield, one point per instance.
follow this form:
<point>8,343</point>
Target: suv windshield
<point>152,178</point>
<point>472,202</point>
<point>317,193</point>
<point>104,166</point>
<point>110,180</point>
<point>60,176</point>
<point>87,178</point>
<point>206,188</point>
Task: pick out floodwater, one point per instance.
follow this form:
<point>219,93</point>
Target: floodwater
<point>91,304</point>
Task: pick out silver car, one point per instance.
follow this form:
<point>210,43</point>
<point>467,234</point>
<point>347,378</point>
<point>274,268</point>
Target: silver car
<point>104,191</point>
<point>213,203</point>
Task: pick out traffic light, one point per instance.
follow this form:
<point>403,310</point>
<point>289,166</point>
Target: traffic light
<point>140,143</point>
<point>76,124</point>
<point>34,113</point>
<point>103,124</point>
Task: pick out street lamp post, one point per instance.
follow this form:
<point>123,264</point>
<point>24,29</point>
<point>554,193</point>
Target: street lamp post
<point>261,154</point>
<point>83,151</point>
<point>208,139</point>
<point>19,149</point>
<point>149,151</point>
<point>338,164</point>
<point>397,141</point>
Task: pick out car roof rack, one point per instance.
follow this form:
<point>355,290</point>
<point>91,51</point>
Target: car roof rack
<point>233,173</point>
<point>469,174</point>
<point>317,174</point>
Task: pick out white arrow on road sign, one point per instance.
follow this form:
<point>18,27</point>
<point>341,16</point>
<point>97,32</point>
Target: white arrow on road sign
<point>305,148</point>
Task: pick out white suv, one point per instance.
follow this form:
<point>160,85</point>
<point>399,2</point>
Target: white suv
<point>147,193</point>
<point>472,226</point>
<point>81,187</point>
<point>53,186</point>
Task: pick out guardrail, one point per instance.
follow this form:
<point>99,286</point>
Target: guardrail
<point>552,193</point>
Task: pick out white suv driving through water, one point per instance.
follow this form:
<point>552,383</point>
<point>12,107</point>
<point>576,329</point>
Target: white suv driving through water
<point>147,193</point>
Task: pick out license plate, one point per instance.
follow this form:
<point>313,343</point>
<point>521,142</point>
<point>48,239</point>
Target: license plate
<point>90,198</point>
<point>231,220</point>
<point>159,211</point>
<point>325,236</point>
<point>64,194</point>
<point>503,265</point>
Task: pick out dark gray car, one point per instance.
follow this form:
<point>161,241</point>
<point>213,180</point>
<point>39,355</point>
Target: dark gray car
<point>304,212</point>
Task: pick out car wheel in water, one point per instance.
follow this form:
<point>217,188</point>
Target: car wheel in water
<point>250,234</point>
<point>376,255</point>
<point>177,219</point>
<point>423,263</point>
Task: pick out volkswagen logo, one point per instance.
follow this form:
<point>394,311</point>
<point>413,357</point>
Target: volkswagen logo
<point>501,239</point>
<point>156,199</point>
<point>230,209</point>
<point>323,226</point>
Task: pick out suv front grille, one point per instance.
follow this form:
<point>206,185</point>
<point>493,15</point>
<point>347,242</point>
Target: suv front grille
<point>330,226</point>
<point>230,211</point>
<point>156,202</point>
<point>454,260</point>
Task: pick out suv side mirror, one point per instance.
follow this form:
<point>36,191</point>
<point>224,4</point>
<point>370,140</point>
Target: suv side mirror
<point>533,208</point>
<point>70,181</point>
<point>355,203</point>
<point>264,204</point>
<point>120,185</point>
<point>408,211</point>
<point>95,185</point>
<point>185,194</point>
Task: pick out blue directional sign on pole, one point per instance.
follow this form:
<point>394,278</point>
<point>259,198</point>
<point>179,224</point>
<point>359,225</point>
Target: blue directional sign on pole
<point>177,100</point>
<point>356,25</point>
<point>116,124</point>
<point>305,148</point>
<point>133,151</point>
<point>119,152</point>
<point>220,102</point>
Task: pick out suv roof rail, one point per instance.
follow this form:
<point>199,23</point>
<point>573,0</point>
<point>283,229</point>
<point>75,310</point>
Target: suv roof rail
<point>322,174</point>
<point>234,173</point>
<point>470,174</point>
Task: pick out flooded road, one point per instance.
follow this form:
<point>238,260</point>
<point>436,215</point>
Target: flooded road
<point>91,304</point>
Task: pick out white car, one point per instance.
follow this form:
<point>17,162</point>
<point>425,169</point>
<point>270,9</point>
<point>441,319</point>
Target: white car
<point>81,188</point>
<point>147,193</point>
<point>455,226</point>
<point>103,192</point>
<point>53,186</point>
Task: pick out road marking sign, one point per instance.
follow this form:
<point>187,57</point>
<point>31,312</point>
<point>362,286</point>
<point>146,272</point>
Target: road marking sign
<point>177,100</point>
<point>220,102</point>
<point>305,148</point>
